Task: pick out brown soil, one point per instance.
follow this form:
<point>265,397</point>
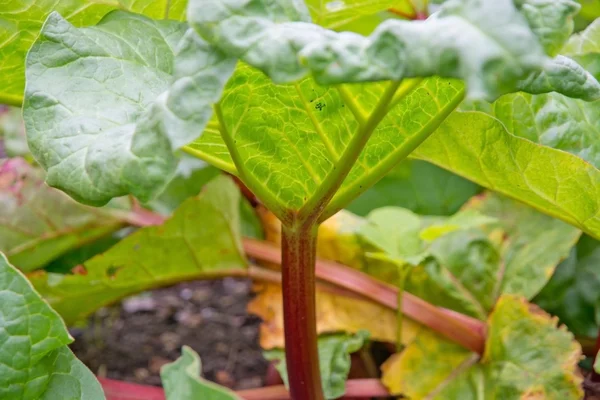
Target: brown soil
<point>132,340</point>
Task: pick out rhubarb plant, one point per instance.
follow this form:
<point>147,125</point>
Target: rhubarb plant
<point>308,117</point>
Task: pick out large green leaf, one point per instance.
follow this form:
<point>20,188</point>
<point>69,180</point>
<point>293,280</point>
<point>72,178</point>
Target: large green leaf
<point>470,39</point>
<point>288,139</point>
<point>22,21</point>
<point>418,186</point>
<point>334,360</point>
<point>526,356</point>
<point>465,262</point>
<point>38,223</point>
<point>35,362</point>
<point>289,143</point>
<point>106,106</point>
<point>181,380</point>
<point>200,240</point>
<point>479,147</point>
<point>573,293</point>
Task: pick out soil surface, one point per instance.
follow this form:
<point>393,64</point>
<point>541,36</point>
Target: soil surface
<point>132,340</point>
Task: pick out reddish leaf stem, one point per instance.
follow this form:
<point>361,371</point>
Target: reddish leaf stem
<point>462,329</point>
<point>356,388</point>
<point>299,252</point>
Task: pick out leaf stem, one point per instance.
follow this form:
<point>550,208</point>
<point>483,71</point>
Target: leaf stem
<point>464,330</point>
<point>299,252</point>
<point>315,205</point>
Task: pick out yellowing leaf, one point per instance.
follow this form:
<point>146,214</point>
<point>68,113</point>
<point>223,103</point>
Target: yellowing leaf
<point>335,313</point>
<point>201,239</point>
<point>526,357</point>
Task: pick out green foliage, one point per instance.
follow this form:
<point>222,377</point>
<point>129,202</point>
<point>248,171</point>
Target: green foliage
<point>573,293</point>
<point>466,262</point>
<point>286,158</point>
<point>471,40</point>
<point>107,121</point>
<point>418,186</point>
<point>36,363</point>
<point>334,360</point>
<point>38,223</point>
<point>181,380</point>
<point>22,21</point>
<point>200,240</point>
<point>526,356</point>
<point>479,148</point>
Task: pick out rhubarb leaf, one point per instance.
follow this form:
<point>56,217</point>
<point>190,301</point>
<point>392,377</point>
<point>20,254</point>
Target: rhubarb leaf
<point>471,40</point>
<point>200,240</point>
<point>38,223</point>
<point>35,362</point>
<point>526,356</point>
<point>465,262</point>
<point>334,360</point>
<point>22,22</point>
<point>481,149</point>
<point>106,106</point>
<point>284,163</point>
<point>182,381</point>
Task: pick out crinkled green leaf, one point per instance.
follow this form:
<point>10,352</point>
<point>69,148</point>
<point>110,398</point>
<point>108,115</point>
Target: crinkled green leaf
<point>38,223</point>
<point>201,239</point>
<point>465,262</point>
<point>106,106</point>
<point>573,293</point>
<point>584,47</point>
<point>35,362</point>
<point>334,360</point>
<point>418,186</point>
<point>12,132</point>
<point>479,148</point>
<point>565,76</point>
<point>182,381</point>
<point>470,39</point>
<point>526,356</point>
<point>551,20</point>
<point>21,22</point>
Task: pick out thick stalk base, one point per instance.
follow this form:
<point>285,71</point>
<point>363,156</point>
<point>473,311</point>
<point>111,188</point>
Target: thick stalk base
<point>298,249</point>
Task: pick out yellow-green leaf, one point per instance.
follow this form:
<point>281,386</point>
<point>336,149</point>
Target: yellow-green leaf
<point>200,240</point>
<point>526,356</point>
